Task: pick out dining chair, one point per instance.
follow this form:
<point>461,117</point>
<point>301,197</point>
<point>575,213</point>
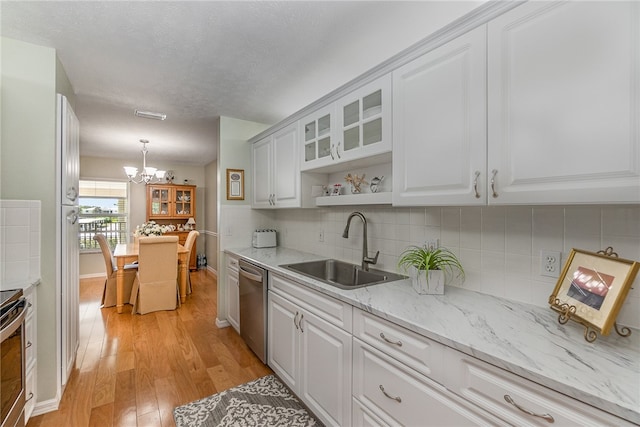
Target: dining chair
<point>130,270</point>
<point>188,244</point>
<point>156,285</point>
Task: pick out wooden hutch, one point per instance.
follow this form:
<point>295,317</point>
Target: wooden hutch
<point>173,204</point>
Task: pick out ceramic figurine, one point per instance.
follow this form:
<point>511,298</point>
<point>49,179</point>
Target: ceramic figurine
<point>375,182</point>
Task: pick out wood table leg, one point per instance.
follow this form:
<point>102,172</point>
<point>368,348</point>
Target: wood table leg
<point>120,285</point>
<point>184,270</point>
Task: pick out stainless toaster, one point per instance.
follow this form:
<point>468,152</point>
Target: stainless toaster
<point>264,239</point>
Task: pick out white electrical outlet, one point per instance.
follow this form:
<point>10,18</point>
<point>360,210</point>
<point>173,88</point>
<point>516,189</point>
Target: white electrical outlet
<point>550,263</point>
<point>321,236</point>
<point>432,243</point>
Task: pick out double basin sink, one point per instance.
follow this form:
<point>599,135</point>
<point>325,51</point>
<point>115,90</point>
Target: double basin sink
<point>341,274</point>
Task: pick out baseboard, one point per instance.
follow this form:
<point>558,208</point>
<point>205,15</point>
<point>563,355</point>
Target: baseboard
<point>222,323</point>
<point>92,275</point>
<point>212,271</point>
<point>46,406</point>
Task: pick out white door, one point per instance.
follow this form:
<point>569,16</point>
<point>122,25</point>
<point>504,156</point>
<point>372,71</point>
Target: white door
<point>262,154</point>
<point>439,125</point>
<point>69,129</point>
<point>70,298</point>
<point>325,368</point>
<point>564,103</point>
<point>283,334</point>
<point>286,170</point>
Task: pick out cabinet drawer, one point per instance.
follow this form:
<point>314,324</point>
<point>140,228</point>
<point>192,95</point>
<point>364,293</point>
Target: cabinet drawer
<point>232,263</point>
<point>327,308</point>
<point>400,396</point>
<point>415,351</point>
<point>487,386</point>
<point>363,417</point>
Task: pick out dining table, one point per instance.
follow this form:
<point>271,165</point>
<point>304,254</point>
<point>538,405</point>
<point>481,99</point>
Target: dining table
<point>127,253</point>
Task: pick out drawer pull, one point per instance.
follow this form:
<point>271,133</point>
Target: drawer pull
<point>30,397</point>
<point>398,343</point>
<point>29,344</point>
<point>300,322</point>
<point>547,417</point>
<point>295,320</point>
<point>397,398</point>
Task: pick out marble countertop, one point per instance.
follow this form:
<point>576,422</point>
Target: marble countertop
<point>524,339</point>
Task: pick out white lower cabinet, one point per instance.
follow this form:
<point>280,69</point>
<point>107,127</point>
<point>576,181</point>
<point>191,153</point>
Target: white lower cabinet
<point>516,400</point>
<point>400,396</point>
<point>310,354</point>
<point>233,293</point>
<point>31,362</point>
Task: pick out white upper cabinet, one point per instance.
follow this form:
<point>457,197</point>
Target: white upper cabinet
<point>354,127</point>
<point>439,125</point>
<point>564,100</point>
<point>276,175</point>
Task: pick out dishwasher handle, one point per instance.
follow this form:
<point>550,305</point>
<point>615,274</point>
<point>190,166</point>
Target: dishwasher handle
<point>250,274</point>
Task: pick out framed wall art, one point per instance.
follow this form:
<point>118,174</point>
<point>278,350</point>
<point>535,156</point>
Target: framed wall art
<point>235,184</point>
<point>591,290</point>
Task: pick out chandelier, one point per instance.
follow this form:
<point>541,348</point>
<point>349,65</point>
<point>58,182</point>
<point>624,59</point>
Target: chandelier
<point>148,174</point>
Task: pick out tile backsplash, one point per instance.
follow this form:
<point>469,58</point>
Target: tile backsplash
<point>19,242</point>
<point>498,246</point>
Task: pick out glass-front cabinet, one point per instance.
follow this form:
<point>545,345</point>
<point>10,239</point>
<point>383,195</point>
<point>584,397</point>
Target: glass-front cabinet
<point>356,126</point>
<point>170,201</point>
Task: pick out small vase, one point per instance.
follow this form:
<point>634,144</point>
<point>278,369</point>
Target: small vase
<point>431,283</point>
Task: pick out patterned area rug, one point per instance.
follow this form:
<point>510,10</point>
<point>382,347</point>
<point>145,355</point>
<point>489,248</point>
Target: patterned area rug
<point>263,402</point>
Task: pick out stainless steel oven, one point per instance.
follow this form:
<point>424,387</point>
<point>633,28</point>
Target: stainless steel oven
<point>13,308</point>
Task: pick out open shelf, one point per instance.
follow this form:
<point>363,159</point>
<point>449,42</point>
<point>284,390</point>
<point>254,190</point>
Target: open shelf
<point>383,198</point>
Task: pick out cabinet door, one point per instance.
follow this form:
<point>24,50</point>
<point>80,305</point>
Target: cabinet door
<point>286,171</point>
<point>262,161</point>
<point>183,202</point>
<point>439,125</point>
<point>325,383</point>
<point>364,118</point>
<point>317,138</point>
<point>564,100</point>
<point>233,299</point>
<point>159,201</point>
<point>69,141</point>
<point>283,340</point>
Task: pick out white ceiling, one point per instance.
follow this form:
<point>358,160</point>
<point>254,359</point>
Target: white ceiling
<point>197,60</point>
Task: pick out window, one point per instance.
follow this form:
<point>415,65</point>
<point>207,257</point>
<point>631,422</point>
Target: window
<point>103,209</point>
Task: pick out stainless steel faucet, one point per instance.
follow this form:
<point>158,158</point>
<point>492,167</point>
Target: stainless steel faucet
<point>365,253</point>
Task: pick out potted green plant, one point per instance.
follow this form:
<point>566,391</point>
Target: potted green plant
<point>428,267</point>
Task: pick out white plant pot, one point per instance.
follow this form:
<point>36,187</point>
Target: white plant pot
<point>431,283</point>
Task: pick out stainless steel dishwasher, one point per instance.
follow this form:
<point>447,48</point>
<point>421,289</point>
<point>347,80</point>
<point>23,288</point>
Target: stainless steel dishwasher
<point>253,312</point>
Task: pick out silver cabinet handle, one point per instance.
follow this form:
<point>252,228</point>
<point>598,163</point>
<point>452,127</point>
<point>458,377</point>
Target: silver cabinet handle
<point>338,151</point>
<point>30,397</point>
<point>397,398</point>
<point>547,417</point>
<point>475,184</point>
<point>493,182</point>
<point>331,152</point>
<point>300,322</point>
<point>398,343</point>
<point>29,344</point>
<point>295,320</point>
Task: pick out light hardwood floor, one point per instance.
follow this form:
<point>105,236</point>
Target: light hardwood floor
<point>132,370</point>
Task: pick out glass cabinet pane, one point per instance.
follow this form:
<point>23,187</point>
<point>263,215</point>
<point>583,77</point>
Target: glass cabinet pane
<point>310,131</point>
<point>372,132</point>
<point>324,147</point>
<point>310,152</point>
<point>351,114</point>
<point>324,125</point>
<point>372,104</point>
<point>352,138</point>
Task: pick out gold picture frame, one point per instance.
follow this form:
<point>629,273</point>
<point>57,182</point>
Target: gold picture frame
<point>591,290</point>
<point>235,184</point>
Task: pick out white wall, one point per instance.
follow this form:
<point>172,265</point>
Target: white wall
<point>499,247</point>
